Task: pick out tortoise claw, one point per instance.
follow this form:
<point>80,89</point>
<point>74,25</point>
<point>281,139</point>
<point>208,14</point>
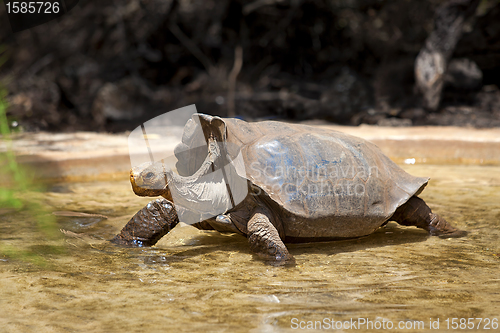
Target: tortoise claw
<point>438,226</point>
<point>280,262</point>
<point>455,234</point>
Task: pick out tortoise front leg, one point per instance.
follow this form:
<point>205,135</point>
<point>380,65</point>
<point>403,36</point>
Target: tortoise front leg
<point>149,224</point>
<point>265,240</point>
<point>416,212</point>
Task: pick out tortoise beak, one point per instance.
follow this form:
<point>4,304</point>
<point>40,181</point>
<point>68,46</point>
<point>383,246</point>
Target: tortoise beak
<point>132,178</point>
<point>138,190</point>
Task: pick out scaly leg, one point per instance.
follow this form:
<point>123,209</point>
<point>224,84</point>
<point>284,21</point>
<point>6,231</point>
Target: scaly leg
<point>416,212</point>
<point>149,224</point>
<point>265,240</point>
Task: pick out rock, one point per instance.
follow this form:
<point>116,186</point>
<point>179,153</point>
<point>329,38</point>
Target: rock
<point>113,101</point>
<point>489,99</point>
<point>432,61</point>
<point>463,74</point>
<point>395,122</point>
<point>393,85</point>
<point>127,99</point>
<point>413,113</point>
<point>347,96</point>
<point>482,43</point>
<point>35,97</point>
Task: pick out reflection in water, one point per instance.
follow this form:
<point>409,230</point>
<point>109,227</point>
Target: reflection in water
<point>204,281</point>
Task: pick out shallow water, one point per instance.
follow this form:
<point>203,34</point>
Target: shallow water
<point>204,281</point>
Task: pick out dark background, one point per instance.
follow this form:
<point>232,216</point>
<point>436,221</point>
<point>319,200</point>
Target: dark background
<point>110,65</point>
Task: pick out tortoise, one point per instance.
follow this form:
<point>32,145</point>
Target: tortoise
<point>295,183</point>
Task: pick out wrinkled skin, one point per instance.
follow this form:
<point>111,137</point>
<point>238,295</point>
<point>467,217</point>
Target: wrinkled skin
<point>263,218</point>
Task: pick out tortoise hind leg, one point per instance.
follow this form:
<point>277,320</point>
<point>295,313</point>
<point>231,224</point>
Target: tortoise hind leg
<point>416,212</point>
<point>265,240</point>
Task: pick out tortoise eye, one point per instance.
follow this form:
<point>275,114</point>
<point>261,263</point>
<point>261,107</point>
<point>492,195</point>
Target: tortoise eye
<point>149,175</point>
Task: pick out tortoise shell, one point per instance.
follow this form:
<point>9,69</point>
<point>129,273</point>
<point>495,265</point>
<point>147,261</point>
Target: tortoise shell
<point>310,173</point>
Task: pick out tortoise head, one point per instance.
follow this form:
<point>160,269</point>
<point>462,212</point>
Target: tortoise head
<point>191,185</point>
<point>149,180</point>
